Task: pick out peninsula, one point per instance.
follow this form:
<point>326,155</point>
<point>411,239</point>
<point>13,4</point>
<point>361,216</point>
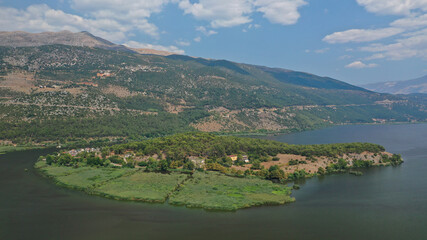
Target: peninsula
<point>205,170</point>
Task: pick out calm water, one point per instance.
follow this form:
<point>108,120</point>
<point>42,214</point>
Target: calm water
<point>385,203</point>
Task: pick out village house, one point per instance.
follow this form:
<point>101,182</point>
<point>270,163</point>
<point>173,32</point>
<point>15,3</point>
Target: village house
<point>233,157</point>
<point>74,152</point>
<point>103,74</point>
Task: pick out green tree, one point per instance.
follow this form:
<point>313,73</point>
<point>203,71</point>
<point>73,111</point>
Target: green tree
<point>256,165</point>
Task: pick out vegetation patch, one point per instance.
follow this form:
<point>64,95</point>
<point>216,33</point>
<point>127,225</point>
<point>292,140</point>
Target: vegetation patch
<point>206,171</point>
<point>142,186</point>
<point>214,191</point>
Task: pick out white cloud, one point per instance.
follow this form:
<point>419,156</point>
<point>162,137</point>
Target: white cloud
<point>39,18</point>
<point>205,31</point>
<point>411,22</point>
<point>229,13</point>
<point>410,31</point>
<point>361,35</point>
<point>183,43</point>
<point>220,13</point>
<point>174,49</point>
<point>360,65</point>
<point>283,12</point>
<point>413,46</point>
<point>131,12</point>
<point>255,26</point>
<point>393,7</point>
<point>197,39</point>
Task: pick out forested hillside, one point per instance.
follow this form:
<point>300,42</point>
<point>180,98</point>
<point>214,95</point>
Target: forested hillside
<point>63,93</point>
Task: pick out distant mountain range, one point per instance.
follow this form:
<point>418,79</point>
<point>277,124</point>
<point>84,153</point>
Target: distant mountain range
<point>418,85</point>
<point>67,86</point>
<point>79,39</point>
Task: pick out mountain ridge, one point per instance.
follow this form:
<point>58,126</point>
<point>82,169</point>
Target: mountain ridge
<point>417,85</point>
<point>65,93</point>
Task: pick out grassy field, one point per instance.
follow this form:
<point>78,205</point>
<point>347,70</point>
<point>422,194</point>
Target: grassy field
<point>215,191</point>
<point>91,177</point>
<point>142,186</point>
<point>83,178</point>
<point>210,190</point>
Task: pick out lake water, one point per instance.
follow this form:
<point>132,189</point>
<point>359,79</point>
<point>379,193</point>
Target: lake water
<point>385,203</point>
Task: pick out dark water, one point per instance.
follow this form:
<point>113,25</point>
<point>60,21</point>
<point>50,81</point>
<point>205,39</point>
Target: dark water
<point>385,203</point>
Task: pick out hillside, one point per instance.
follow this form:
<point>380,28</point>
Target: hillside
<point>65,93</point>
<point>418,85</point>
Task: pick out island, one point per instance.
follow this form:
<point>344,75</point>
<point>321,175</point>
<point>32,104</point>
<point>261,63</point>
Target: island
<point>204,170</point>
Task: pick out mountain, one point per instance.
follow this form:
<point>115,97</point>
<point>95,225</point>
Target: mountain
<point>63,92</point>
<point>418,85</point>
<point>152,51</point>
<point>81,39</point>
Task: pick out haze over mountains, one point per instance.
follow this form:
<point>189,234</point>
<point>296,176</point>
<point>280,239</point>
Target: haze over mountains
<point>418,85</point>
<point>67,86</point>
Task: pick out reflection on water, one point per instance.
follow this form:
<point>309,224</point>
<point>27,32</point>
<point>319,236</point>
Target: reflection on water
<point>385,203</point>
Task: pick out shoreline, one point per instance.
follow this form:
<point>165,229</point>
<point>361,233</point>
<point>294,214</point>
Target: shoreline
<point>237,134</point>
<point>197,170</point>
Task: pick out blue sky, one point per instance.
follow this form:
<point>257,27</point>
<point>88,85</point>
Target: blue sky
<point>357,41</point>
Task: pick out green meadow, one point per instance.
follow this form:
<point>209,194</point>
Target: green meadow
<point>208,190</point>
<point>215,191</point>
<point>142,186</point>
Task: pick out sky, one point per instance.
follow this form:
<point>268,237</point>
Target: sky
<point>356,41</point>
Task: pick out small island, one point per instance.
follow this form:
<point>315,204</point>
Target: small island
<point>204,170</point>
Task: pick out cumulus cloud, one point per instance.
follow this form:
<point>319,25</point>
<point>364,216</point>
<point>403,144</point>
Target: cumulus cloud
<point>229,13</point>
<point>360,65</point>
<point>280,11</point>
<point>409,32</point>
<point>361,35</point>
<point>393,7</point>
<point>39,18</point>
<point>412,46</point>
<point>205,31</point>
<point>131,12</point>
<point>411,22</point>
<point>220,13</point>
<point>174,49</point>
<point>117,20</point>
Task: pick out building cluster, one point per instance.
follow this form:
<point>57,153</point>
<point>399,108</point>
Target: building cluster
<point>74,152</point>
<point>244,158</point>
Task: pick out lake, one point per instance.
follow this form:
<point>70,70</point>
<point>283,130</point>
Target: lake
<point>384,203</point>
